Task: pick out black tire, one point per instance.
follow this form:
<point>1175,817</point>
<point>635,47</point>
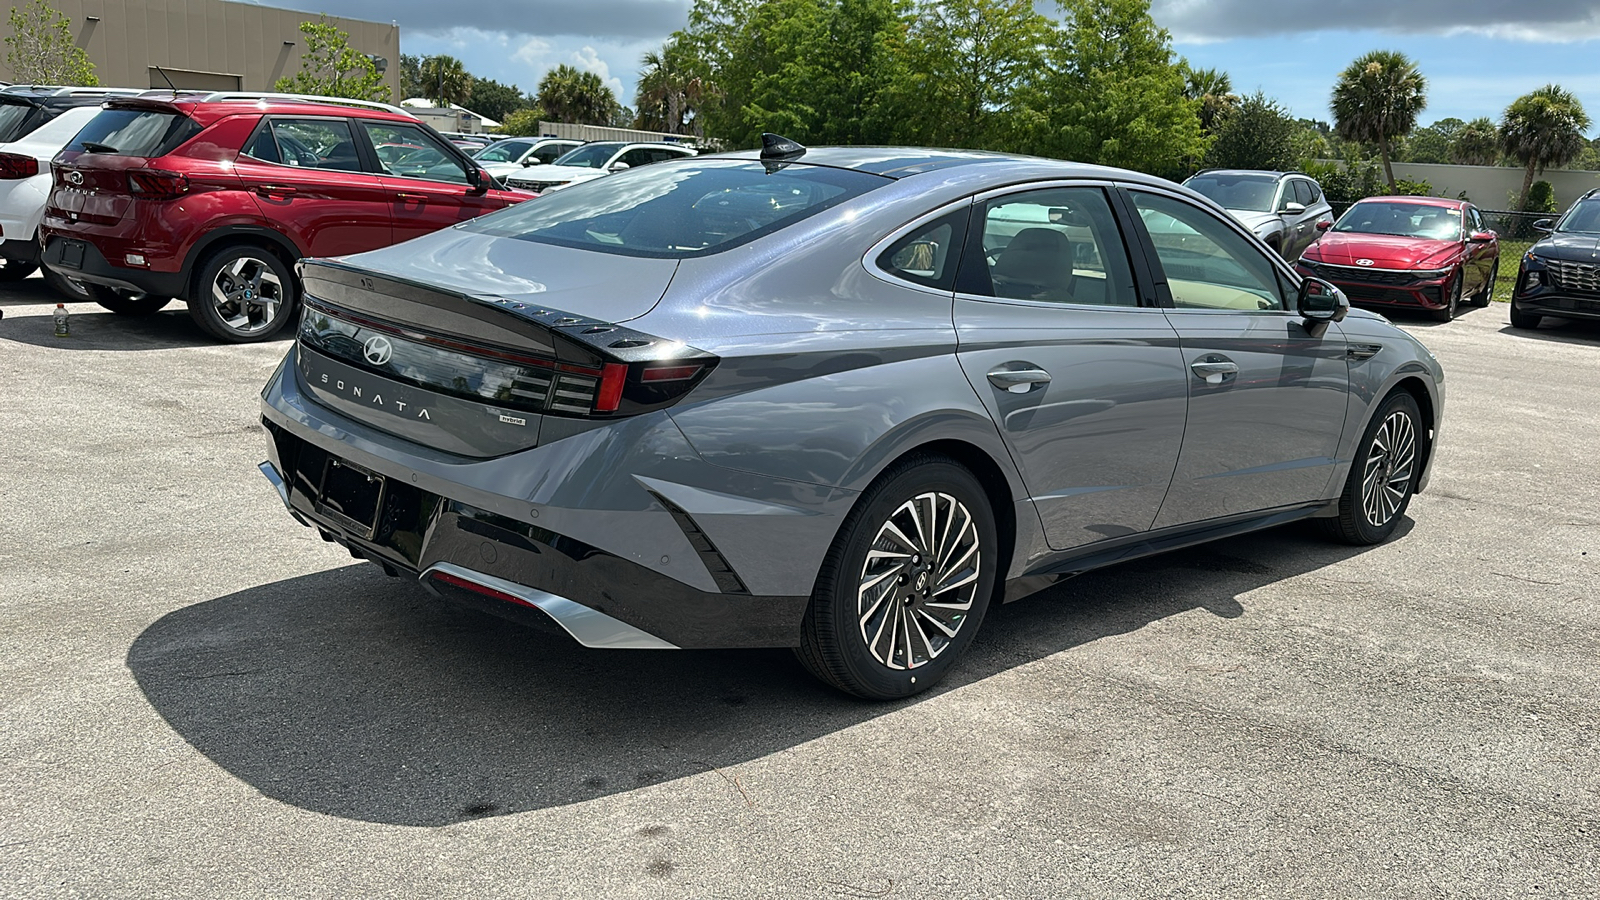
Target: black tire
<point>1448,311</point>
<point>16,269</point>
<point>1397,469</point>
<point>256,294</point>
<point>835,645</point>
<point>1482,298</point>
<point>1520,319</point>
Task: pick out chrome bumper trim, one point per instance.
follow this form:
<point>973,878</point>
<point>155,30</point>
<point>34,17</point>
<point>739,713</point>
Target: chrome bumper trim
<point>589,627</point>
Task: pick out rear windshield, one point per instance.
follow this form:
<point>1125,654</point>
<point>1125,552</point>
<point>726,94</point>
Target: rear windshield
<point>675,210</point>
<point>1251,193</point>
<point>13,121</point>
<point>135,132</point>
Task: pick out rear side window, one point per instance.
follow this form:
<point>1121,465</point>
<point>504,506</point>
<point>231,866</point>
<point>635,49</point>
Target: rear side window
<point>675,210</point>
<point>14,121</point>
<point>135,132</point>
<point>928,255</point>
<point>1057,245</point>
<point>307,143</point>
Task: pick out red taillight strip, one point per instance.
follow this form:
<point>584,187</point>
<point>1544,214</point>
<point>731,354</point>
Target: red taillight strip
<point>423,337</point>
<point>611,381</point>
<point>671,373</point>
<point>477,588</point>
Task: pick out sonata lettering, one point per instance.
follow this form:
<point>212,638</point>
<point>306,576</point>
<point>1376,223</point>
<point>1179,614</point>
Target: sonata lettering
<point>355,392</point>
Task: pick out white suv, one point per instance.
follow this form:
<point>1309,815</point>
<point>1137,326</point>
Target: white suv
<point>502,159</point>
<point>595,160</point>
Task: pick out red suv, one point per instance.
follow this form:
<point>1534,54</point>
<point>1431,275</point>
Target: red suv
<point>212,198</point>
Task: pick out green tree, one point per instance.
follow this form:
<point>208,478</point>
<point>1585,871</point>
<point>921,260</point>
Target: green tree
<point>522,122</point>
<point>330,67</point>
<point>1256,134</point>
<point>1476,144</point>
<point>1432,144</point>
<point>40,49</point>
<point>1214,89</point>
<point>445,81</point>
<point>410,76</point>
<point>1377,99</point>
<point>569,95</point>
<point>963,63</point>
<point>495,100</point>
<point>1543,129</point>
<point>1112,93</point>
<point>671,89</point>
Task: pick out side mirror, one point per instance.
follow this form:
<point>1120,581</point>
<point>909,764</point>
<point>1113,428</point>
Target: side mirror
<point>1324,225</point>
<point>1544,225</point>
<point>1482,237</point>
<point>1320,302</point>
<point>1292,208</point>
<point>532,161</point>
<point>618,166</point>
<point>479,180</point>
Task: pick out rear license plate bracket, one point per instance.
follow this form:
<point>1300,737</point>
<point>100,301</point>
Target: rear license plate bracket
<point>351,496</point>
<point>72,254</point>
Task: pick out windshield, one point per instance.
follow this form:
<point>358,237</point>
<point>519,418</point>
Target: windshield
<point>1420,220</point>
<point>1582,218</point>
<point>12,118</point>
<point>135,132</point>
<point>1252,193</point>
<point>590,156</point>
<point>504,151</point>
<point>673,210</point>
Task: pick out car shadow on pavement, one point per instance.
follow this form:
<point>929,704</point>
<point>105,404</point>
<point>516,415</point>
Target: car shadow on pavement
<point>356,695</point>
<point>1561,331</point>
<point>93,328</point>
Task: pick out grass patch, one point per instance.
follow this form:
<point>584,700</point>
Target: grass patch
<point>1510,257</point>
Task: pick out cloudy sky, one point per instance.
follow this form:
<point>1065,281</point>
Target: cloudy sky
<point>1478,55</point>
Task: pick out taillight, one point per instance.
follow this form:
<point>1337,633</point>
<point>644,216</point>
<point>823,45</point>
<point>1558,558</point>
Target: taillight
<point>157,184</point>
<point>17,165</point>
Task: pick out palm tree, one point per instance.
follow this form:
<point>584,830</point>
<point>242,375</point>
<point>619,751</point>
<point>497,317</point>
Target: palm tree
<point>1543,128</point>
<point>1214,90</point>
<point>446,81</point>
<point>1377,99</point>
<point>669,92</point>
<point>569,95</point>
<point>1476,143</point>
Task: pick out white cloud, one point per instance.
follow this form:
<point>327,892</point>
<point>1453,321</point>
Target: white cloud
<point>588,59</point>
<point>532,52</point>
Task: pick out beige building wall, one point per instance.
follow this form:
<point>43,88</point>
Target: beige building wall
<point>205,44</point>
<point>1496,187</point>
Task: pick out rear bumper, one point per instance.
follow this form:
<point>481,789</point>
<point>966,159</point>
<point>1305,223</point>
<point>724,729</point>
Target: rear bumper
<point>96,269</point>
<point>20,251</point>
<point>647,569</point>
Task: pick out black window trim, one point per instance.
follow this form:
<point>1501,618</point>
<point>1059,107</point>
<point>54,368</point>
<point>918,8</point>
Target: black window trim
<point>1288,277</point>
<point>1143,288</point>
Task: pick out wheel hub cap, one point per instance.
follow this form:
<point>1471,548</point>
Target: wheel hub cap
<point>919,580</point>
<point>1387,473</point>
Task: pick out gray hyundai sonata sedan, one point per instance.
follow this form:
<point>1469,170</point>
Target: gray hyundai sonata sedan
<point>837,399</point>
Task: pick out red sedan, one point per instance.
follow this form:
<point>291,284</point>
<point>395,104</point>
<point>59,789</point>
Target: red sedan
<point>1418,252</point>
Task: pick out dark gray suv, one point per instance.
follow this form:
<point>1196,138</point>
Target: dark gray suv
<point>839,399</point>
<point>1282,208</point>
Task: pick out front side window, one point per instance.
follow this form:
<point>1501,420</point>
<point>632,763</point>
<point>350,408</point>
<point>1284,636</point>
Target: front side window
<point>1418,220</point>
<point>675,211</point>
<point>1207,264</point>
<point>503,151</point>
<point>1058,245</point>
<point>410,152</point>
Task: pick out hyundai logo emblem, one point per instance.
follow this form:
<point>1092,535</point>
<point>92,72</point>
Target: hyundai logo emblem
<point>74,177</point>
<point>1363,262</point>
<point>377,350</point>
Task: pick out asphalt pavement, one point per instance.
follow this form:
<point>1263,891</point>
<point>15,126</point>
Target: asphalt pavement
<point>201,698</point>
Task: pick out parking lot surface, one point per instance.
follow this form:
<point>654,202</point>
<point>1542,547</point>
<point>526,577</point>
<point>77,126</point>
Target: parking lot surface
<point>202,698</point>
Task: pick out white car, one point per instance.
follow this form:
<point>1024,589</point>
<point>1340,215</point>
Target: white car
<point>502,159</point>
<point>35,123</point>
<point>595,159</point>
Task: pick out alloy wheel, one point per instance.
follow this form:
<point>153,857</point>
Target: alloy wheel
<point>919,580</point>
<point>246,294</point>
<point>1386,477</point>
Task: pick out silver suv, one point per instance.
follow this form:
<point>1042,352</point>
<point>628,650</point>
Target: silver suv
<point>1282,208</point>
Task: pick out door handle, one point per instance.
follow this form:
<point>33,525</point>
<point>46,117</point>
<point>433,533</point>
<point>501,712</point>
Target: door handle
<point>1214,369</point>
<point>417,197</point>
<point>274,190</point>
<point>1018,380</point>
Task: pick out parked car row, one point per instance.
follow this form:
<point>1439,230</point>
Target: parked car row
<point>1560,274</point>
